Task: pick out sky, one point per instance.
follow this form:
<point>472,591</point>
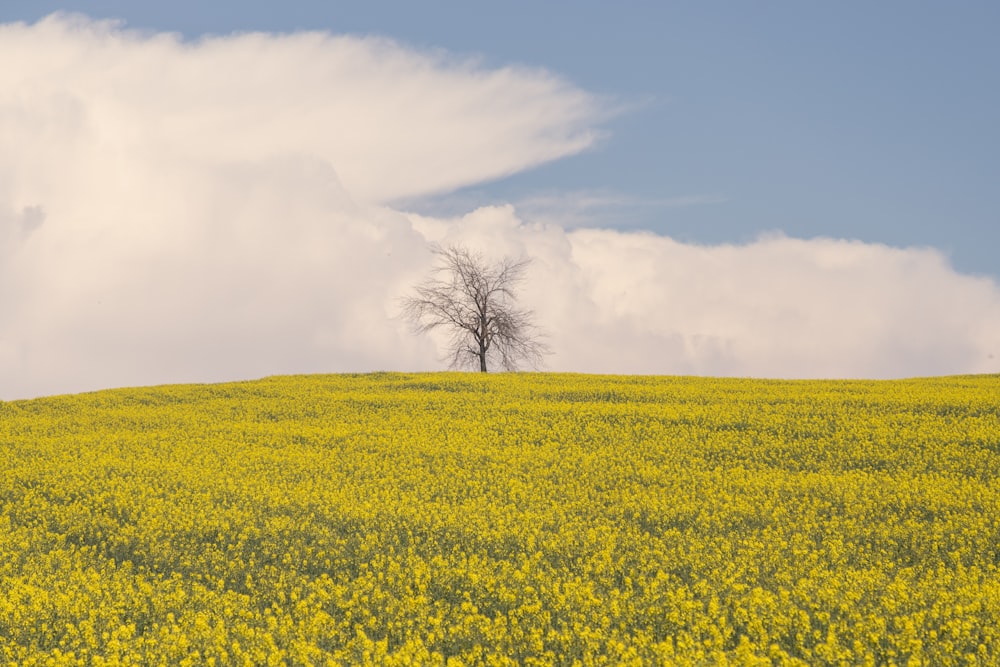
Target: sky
<point>200,192</point>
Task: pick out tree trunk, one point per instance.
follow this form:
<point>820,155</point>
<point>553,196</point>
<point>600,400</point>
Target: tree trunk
<point>483,342</point>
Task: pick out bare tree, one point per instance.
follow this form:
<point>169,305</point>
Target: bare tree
<point>474,300</point>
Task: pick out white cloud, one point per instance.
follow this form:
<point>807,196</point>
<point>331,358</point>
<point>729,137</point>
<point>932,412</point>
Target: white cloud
<point>391,121</point>
<point>637,302</point>
<point>174,211</point>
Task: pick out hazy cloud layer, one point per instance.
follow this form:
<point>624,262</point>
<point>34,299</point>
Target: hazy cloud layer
<point>174,211</point>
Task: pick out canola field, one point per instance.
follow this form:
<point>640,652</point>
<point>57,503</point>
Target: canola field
<point>515,519</point>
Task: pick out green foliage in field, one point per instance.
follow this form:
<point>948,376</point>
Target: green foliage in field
<point>503,519</point>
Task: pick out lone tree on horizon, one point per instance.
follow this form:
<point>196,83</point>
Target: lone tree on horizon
<point>474,300</point>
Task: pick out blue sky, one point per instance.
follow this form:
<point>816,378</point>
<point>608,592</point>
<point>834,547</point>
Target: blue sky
<point>871,121</point>
<point>771,189</point>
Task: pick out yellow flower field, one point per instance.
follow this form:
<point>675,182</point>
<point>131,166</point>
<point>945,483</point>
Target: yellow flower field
<point>535,519</point>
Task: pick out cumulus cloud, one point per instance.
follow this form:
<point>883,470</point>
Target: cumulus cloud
<point>392,122</point>
<point>637,302</point>
<point>175,211</point>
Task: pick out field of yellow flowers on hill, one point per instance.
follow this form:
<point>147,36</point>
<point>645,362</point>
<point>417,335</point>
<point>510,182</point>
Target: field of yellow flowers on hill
<point>512,519</point>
